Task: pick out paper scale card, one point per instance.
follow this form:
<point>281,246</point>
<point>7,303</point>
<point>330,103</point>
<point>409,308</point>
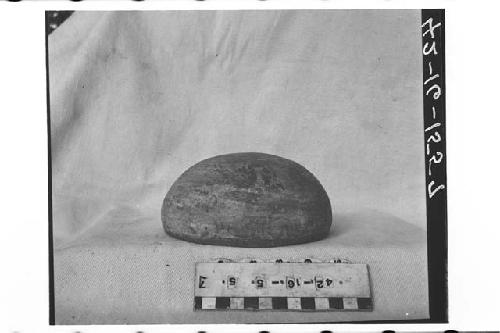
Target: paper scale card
<point>283,286</point>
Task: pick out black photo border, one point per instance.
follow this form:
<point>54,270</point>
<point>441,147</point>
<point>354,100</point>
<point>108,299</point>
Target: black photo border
<point>433,52</point>
<point>52,310</point>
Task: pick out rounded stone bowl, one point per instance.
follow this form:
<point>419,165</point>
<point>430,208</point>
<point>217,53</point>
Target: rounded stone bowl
<point>247,200</point>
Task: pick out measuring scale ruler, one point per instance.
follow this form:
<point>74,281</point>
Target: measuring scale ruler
<point>282,286</point>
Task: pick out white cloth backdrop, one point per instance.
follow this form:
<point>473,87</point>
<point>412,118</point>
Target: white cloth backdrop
<point>138,97</point>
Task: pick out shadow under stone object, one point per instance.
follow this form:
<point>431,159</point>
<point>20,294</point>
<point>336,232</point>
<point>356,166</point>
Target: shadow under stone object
<point>247,200</point>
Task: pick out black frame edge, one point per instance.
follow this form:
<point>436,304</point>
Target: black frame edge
<point>52,312</point>
<point>433,52</point>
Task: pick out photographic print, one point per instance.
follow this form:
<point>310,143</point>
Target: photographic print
<point>247,166</point>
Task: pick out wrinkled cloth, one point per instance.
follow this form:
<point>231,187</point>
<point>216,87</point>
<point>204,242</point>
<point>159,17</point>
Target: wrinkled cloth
<point>138,97</point>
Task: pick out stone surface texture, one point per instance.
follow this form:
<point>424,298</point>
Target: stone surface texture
<point>247,200</point>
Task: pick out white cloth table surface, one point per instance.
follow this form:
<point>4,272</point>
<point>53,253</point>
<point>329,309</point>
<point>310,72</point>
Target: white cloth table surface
<point>128,270</point>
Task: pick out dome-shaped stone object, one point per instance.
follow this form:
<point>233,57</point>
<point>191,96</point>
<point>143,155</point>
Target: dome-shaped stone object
<point>247,200</point>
